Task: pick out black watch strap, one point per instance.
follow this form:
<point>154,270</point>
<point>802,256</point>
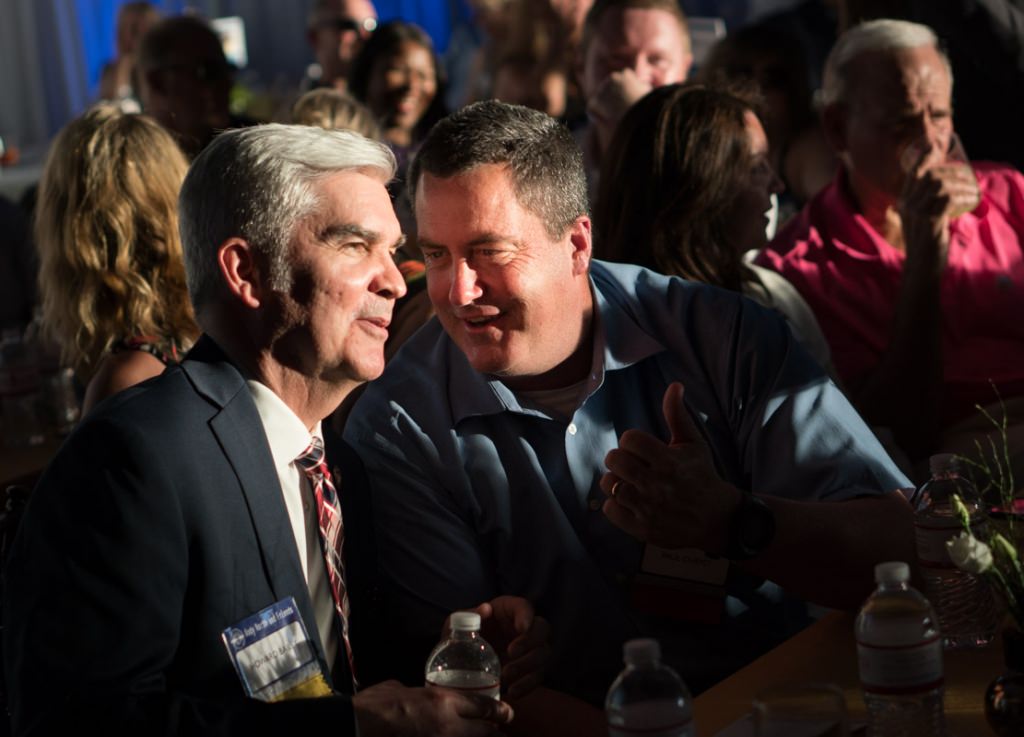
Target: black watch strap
<point>751,529</point>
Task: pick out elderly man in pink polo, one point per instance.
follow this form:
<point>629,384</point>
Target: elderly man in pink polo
<point>912,258</point>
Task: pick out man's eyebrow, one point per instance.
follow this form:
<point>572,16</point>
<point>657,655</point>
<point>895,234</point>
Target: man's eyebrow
<point>486,238</point>
<point>423,243</point>
<point>344,230</point>
<point>480,240</point>
<point>333,233</point>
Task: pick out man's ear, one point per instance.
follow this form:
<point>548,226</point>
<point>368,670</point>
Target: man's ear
<point>834,123</point>
<point>240,269</point>
<point>582,247</point>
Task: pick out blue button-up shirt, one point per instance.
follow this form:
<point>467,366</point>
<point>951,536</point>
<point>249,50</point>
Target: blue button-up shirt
<point>478,492</point>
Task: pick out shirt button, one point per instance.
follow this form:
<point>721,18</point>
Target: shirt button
<point>305,504</point>
<point>595,504</point>
<point>572,428</point>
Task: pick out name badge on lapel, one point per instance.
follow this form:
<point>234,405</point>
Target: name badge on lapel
<point>273,655</point>
<point>683,584</point>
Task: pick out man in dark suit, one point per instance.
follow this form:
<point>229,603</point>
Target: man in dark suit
<point>180,508</point>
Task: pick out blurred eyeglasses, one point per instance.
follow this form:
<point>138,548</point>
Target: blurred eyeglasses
<point>341,25</point>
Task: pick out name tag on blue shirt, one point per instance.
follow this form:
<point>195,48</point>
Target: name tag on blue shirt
<point>273,655</point>
<point>684,584</point>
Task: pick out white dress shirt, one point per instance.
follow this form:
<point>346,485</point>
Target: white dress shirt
<point>288,438</point>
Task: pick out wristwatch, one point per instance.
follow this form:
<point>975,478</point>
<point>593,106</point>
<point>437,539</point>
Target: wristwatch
<point>751,529</point>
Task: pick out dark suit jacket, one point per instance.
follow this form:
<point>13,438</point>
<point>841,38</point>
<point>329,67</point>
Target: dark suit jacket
<point>160,523</point>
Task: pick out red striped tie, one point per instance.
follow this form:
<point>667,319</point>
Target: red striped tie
<point>332,534</point>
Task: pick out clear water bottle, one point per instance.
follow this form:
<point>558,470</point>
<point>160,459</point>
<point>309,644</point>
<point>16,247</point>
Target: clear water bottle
<point>967,609</point>
<point>899,654</point>
<point>465,661</point>
<point>647,697</point>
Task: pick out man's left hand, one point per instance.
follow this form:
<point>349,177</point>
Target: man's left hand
<point>669,494</point>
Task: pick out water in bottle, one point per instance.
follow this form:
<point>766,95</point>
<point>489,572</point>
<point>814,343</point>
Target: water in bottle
<point>465,661</point>
<point>899,654</point>
<point>967,609</point>
<point>648,698</point>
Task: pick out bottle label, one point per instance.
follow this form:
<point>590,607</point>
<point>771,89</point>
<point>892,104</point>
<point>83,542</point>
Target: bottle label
<point>900,669</point>
<point>652,718</point>
<point>678,729</point>
<point>932,535</point>
<point>468,681</point>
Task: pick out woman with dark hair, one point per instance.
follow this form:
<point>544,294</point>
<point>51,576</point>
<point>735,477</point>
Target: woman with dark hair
<point>685,189</point>
<point>398,76</point>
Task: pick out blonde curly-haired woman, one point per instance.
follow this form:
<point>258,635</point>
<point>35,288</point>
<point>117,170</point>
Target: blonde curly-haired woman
<point>112,279</point>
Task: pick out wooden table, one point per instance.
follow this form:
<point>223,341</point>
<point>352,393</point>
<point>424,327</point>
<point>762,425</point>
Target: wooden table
<point>826,651</point>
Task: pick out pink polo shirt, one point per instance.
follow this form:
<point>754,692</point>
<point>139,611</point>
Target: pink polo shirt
<point>851,276</point>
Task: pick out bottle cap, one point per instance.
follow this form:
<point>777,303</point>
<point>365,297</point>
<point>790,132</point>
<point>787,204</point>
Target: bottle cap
<point>943,463</point>
<point>892,572</point>
<point>641,651</point>
<point>465,622</point>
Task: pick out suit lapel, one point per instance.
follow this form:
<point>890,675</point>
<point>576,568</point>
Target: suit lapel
<point>239,431</point>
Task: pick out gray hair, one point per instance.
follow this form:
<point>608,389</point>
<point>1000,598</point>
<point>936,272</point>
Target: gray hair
<point>884,34</point>
<point>257,184</point>
<point>544,161</point>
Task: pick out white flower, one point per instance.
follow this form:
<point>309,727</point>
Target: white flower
<point>969,553</point>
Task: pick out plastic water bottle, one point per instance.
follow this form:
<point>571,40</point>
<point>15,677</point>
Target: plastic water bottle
<point>465,661</point>
<point>899,654</point>
<point>647,697</point>
<point>968,614</point>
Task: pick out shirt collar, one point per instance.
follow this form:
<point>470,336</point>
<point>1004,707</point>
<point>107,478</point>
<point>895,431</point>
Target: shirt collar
<point>287,435</point>
<point>845,220</point>
<point>624,340</point>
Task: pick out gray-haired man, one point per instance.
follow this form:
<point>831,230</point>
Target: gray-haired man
<point>184,549</point>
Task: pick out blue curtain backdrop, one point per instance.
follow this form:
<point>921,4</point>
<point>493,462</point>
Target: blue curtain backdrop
<point>96,24</point>
<point>52,51</point>
<point>270,27</point>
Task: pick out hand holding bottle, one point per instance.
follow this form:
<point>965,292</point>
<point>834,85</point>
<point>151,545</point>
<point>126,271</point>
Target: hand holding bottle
<point>389,708</point>
<point>521,640</point>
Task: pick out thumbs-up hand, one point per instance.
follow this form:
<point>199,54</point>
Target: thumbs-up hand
<point>668,493</point>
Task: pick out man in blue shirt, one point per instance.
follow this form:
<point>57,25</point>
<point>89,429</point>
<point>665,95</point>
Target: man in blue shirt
<point>635,454</point>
